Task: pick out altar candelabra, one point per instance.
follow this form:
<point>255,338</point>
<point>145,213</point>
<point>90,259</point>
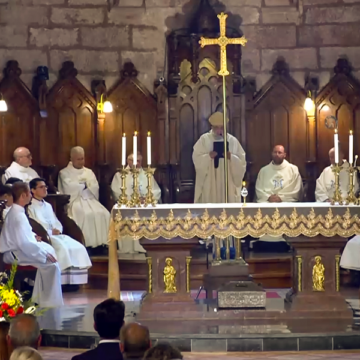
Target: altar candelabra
<point>351,198</point>
<point>135,200</point>
<point>244,192</point>
<point>149,200</point>
<point>337,199</point>
<point>123,200</point>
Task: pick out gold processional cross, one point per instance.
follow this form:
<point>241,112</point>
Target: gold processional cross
<point>223,42</point>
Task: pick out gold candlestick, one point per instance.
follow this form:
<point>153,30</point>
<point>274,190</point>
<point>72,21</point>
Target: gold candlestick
<point>337,194</point>
<point>244,193</point>
<point>123,200</point>
<point>135,197</point>
<point>149,200</point>
<point>351,198</point>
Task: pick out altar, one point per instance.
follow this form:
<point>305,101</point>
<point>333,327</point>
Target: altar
<point>316,231</point>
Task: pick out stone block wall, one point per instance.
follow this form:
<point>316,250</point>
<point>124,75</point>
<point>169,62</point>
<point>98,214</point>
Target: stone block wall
<point>310,34</point>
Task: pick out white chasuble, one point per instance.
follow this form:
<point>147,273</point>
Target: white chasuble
<point>127,245</point>
<point>72,256</point>
<point>210,181</point>
<point>325,184</point>
<point>85,208</point>
<point>17,241</point>
<point>283,180</point>
<point>25,174</point>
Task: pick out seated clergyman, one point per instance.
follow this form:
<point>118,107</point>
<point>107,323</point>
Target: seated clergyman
<point>325,184</point>
<point>19,243</point>
<point>72,256</point>
<point>20,167</point>
<point>127,245</point>
<point>278,181</point>
<point>85,209</point>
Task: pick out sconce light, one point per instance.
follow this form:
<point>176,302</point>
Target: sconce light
<point>3,105</point>
<point>326,108</point>
<point>309,106</point>
<point>104,107</point>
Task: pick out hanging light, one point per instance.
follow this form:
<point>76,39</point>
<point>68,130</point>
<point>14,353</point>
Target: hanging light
<point>309,106</point>
<point>3,105</point>
<point>107,107</point>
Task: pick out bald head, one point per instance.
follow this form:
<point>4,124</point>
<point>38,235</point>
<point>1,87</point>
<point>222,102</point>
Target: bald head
<point>332,155</point>
<point>130,160</point>
<point>278,154</point>
<point>135,339</point>
<point>22,156</point>
<point>24,331</point>
<point>77,157</point>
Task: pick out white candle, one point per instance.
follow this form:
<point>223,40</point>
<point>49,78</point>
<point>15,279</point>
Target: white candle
<point>351,148</point>
<point>336,146</point>
<point>135,148</point>
<point>149,149</point>
<point>123,151</point>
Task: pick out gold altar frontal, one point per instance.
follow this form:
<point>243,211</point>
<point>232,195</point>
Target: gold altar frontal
<point>317,232</point>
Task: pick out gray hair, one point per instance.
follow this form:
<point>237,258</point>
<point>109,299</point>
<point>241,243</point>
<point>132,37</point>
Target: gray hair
<point>25,353</point>
<point>76,150</point>
<point>24,331</point>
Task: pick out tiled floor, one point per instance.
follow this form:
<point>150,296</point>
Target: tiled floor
<point>50,354</point>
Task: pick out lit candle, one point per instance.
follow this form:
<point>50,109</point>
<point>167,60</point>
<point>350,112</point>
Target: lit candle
<point>123,151</point>
<point>351,148</point>
<point>149,149</point>
<point>135,149</point>
<point>336,146</point>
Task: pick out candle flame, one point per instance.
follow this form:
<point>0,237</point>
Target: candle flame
<point>351,132</point>
<point>335,131</point>
<point>148,133</point>
<point>135,133</point>
<point>243,183</point>
<point>124,135</point>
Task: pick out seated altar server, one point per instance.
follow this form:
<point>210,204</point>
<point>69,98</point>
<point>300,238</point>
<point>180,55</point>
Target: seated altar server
<point>6,194</point>
<point>325,184</point>
<point>127,245</point>
<point>72,256</point>
<point>208,158</point>
<point>18,242</point>
<point>278,181</point>
<point>85,209</point>
<point>20,167</point>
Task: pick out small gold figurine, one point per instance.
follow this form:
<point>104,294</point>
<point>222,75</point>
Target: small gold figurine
<point>169,277</point>
<point>318,275</point>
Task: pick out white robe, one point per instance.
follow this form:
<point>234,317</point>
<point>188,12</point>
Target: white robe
<point>210,182</point>
<point>127,245</point>
<point>350,258</point>
<point>85,208</point>
<point>25,174</point>
<point>5,211</point>
<point>17,239</point>
<point>72,256</point>
<point>325,184</point>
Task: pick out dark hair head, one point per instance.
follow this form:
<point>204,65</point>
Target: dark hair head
<point>135,339</point>
<point>34,183</point>
<point>163,351</point>
<point>18,189</point>
<point>5,190</point>
<point>109,318</point>
<point>12,180</point>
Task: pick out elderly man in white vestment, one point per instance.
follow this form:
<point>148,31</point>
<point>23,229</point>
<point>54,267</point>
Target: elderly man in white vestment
<point>127,245</point>
<point>84,208</point>
<point>20,167</point>
<point>209,165</point>
<point>18,242</point>
<point>72,256</point>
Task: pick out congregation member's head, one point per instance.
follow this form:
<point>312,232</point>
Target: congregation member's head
<point>6,194</point>
<point>23,157</point>
<point>24,331</point>
<point>163,351</point>
<point>4,350</point>
<point>332,156</point>
<point>38,188</point>
<point>77,157</point>
<point>25,353</point>
<point>109,318</point>
<point>217,124</point>
<point>135,341</point>
<point>11,181</point>
<point>130,160</point>
<point>278,154</point>
<point>21,193</point>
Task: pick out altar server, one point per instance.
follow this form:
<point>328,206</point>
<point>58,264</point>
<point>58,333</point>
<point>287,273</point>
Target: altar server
<point>209,165</point>
<point>81,184</point>
<point>18,242</point>
<point>127,245</point>
<point>72,256</point>
<point>278,181</point>
<point>325,184</point>
<point>20,167</point>
<point>6,194</point>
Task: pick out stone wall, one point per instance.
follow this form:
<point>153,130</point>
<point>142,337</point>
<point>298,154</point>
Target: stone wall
<point>309,34</point>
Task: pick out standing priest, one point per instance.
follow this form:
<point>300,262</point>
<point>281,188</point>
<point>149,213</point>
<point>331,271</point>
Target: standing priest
<point>208,158</point>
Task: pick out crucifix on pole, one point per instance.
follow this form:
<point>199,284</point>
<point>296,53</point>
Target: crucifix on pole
<point>223,42</point>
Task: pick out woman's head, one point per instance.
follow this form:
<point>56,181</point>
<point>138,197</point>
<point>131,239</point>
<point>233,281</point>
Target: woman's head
<point>25,353</point>
<point>163,351</point>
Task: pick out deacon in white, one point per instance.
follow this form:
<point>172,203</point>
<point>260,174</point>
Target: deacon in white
<point>127,245</point>
<point>72,256</point>
<point>20,167</point>
<point>325,184</point>
<point>84,208</point>
<point>6,195</point>
<point>18,242</point>
<point>210,181</point>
